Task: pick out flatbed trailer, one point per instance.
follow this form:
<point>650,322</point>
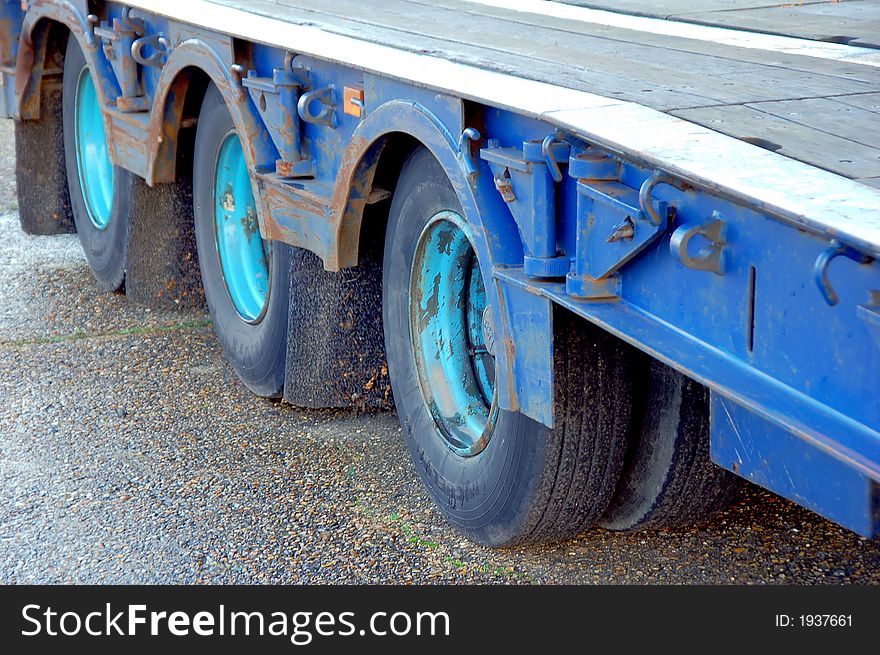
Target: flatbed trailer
<point>583,249</point>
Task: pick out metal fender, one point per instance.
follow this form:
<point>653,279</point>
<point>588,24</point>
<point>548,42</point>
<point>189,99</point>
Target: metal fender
<point>495,239</point>
<point>31,53</point>
<point>165,117</point>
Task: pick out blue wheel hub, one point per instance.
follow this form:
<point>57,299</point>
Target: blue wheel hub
<point>243,253</point>
<point>96,174</point>
<point>451,328</point>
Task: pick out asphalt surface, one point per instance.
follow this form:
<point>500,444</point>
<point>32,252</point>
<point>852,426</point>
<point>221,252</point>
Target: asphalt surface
<point>129,453</point>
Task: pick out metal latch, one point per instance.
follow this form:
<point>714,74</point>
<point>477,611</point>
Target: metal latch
<point>526,179</point>
<point>124,43</point>
<point>277,98</point>
<point>711,256</point>
<point>325,99</point>
<point>615,223</point>
<point>158,47</point>
<point>820,269</point>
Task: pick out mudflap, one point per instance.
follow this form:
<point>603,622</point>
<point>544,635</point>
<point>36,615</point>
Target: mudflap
<point>335,345</point>
<point>40,174</point>
<point>163,264</point>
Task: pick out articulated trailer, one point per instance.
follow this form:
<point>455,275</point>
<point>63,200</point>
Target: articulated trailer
<point>605,260</point>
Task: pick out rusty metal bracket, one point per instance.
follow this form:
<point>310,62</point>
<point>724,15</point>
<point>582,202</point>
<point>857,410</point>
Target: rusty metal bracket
<point>157,44</point>
<point>326,98</point>
<point>277,98</point>
<point>709,258</point>
<point>89,30</point>
<point>118,41</point>
<point>820,269</point>
<point>616,223</point>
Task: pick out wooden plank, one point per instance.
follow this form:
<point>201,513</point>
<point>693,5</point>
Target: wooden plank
<point>868,101</point>
<point>828,116</point>
<point>821,20</point>
<point>854,23</point>
<point>659,93</point>
<point>669,8</point>
<point>787,60</point>
<point>722,81</point>
<point>801,142</point>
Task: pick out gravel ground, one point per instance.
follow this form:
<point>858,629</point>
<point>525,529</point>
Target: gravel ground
<point>129,453</point>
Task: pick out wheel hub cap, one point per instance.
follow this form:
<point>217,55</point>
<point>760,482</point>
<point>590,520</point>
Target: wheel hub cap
<point>451,326</point>
<point>244,256</point>
<point>96,174</point>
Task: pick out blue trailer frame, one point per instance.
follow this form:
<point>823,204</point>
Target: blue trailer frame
<point>776,313</point>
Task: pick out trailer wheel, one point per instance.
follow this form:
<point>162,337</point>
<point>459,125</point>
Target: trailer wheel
<point>100,193</point>
<point>500,477</point>
<point>245,278</point>
<point>669,479</point>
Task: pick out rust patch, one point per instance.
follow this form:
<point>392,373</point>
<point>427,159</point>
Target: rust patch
<point>510,352</point>
<point>249,222</point>
<point>350,195</point>
<point>24,68</point>
<point>297,206</point>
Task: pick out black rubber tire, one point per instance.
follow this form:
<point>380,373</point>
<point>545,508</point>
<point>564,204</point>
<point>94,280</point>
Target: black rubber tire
<point>106,250</point>
<point>257,351</point>
<point>669,479</point>
<point>530,483</point>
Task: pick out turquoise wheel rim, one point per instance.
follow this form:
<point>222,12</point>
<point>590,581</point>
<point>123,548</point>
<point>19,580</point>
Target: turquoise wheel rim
<point>94,166</point>
<point>448,310</point>
<point>242,251</point>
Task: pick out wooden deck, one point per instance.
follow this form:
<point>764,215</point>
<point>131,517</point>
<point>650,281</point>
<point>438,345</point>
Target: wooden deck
<point>854,22</point>
<point>821,111</point>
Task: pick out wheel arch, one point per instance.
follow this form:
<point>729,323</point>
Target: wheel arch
<point>496,239</point>
<point>178,111</point>
<point>192,68</point>
<point>371,185</point>
<point>45,32</point>
<point>375,145</point>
